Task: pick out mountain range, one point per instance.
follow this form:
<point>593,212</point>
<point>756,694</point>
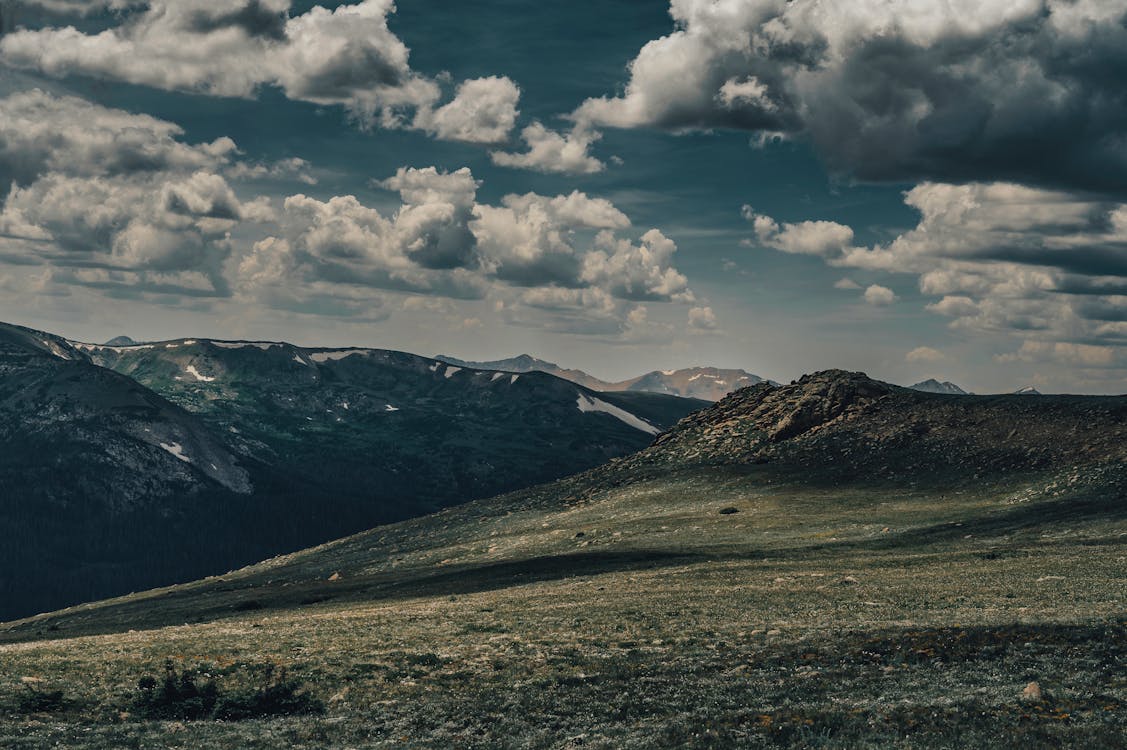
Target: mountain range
<point>706,383</point>
<point>135,465</point>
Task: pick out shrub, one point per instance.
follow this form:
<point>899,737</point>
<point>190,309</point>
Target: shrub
<point>179,696</point>
<point>37,700</point>
<point>175,696</point>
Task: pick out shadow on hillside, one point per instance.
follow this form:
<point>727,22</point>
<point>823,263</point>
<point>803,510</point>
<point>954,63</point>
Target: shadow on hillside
<point>1059,514</point>
<point>177,607</point>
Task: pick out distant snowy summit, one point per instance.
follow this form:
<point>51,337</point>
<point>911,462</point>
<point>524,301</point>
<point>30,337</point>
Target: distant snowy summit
<point>932,385</point>
<point>707,383</point>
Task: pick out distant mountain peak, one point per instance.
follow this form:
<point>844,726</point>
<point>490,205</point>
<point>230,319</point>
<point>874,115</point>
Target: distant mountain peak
<point>931,385</point>
<point>706,383</point>
<point>1027,391</point>
<point>120,341</point>
<point>519,363</point>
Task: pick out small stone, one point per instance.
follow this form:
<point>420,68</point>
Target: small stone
<point>849,581</point>
<point>1032,693</point>
<point>729,511</point>
<point>335,576</point>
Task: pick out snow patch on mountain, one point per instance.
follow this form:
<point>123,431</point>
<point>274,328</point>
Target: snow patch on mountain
<point>191,370</point>
<point>587,405</point>
<point>328,356</point>
<point>263,345</point>
<point>176,450</point>
<point>452,371</point>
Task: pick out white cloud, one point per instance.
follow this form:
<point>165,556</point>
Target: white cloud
<point>847,284</point>
<point>1080,355</point>
<point>822,238</point>
<point>552,152</point>
<point>879,295</point>
<point>442,242</point>
<point>155,225</point>
<point>483,110</point>
<point>642,271</point>
<point>901,89</point>
<point>530,239</point>
<point>703,319</point>
<point>925,354</point>
<point>346,56</point>
<point>1047,266</point>
<point>41,132</point>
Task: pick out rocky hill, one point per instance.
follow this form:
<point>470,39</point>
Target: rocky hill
<point>844,424</point>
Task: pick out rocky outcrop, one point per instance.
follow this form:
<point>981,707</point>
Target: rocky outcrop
<point>836,422</point>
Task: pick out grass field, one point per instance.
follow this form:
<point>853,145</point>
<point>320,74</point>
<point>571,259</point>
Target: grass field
<point>638,616</point>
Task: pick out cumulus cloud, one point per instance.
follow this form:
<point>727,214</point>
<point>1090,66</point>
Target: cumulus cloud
<point>483,110</point>
<point>924,354</point>
<point>1026,91</point>
<point>346,56</point>
<point>641,272</point>
<point>41,132</point>
<point>822,238</point>
<point>530,240</point>
<point>432,226</point>
<point>114,200</point>
<point>1046,265</point>
<point>553,152</point>
<point>846,284</point>
<point>159,225</point>
<point>703,319</point>
<point>292,168</point>
<point>562,251</point>
<point>879,296</point>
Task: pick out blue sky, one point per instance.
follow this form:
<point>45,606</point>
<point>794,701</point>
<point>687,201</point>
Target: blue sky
<point>780,187</point>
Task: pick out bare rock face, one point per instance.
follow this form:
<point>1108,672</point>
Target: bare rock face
<point>821,399</point>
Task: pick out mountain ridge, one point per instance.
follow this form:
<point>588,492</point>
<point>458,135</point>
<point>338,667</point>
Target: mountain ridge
<point>707,383</point>
<point>292,446</point>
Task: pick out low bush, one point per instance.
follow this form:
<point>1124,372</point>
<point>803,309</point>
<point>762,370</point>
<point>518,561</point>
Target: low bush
<point>184,696</point>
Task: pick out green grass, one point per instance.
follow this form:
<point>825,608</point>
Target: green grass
<point>636,617</point>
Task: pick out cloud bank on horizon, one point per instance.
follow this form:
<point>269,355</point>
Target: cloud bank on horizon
<point>1001,124</point>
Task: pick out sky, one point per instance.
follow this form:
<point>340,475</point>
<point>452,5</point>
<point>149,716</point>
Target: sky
<point>906,188</point>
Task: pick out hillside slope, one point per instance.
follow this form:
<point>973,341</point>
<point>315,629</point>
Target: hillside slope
<point>837,435</point>
<point>100,477</point>
<point>837,559</point>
